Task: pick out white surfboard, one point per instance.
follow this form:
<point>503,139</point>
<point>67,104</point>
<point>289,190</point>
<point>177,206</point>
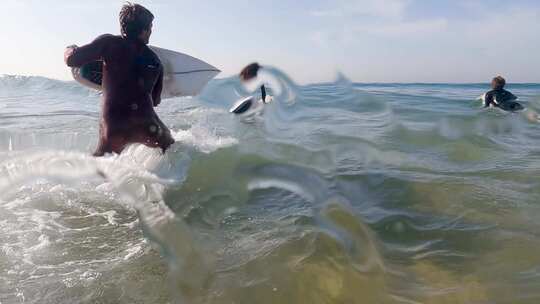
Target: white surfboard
<point>183,75</point>
<point>248,105</point>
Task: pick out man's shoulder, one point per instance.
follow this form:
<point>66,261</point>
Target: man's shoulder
<point>508,95</point>
<point>151,53</point>
<point>502,92</point>
<point>108,38</point>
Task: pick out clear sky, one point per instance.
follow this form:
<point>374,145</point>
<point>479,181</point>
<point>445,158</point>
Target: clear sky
<point>367,40</point>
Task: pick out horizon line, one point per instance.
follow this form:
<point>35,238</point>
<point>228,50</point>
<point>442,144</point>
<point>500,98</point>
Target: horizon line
<point>324,82</point>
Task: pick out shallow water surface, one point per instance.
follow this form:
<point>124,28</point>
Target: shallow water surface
<point>336,193</point>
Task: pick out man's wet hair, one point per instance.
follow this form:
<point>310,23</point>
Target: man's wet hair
<point>499,82</point>
<point>250,71</point>
<point>134,19</point>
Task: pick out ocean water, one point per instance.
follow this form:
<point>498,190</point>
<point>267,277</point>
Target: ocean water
<point>335,193</point>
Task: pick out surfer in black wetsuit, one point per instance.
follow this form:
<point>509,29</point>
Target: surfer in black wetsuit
<point>132,83</point>
<point>499,97</point>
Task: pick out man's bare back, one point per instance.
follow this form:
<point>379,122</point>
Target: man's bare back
<point>132,83</point>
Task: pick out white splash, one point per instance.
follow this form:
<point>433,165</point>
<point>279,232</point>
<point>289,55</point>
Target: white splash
<point>203,139</point>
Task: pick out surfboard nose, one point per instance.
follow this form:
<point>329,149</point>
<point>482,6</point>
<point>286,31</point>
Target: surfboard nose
<point>242,105</point>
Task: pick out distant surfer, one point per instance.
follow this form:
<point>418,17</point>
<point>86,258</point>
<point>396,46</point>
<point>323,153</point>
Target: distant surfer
<point>251,71</point>
<point>501,98</point>
<point>248,73</point>
<point>132,83</point>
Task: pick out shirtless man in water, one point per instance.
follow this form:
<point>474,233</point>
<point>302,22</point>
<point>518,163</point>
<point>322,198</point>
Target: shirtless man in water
<point>132,83</point>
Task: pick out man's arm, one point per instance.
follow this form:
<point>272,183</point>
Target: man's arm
<point>263,93</point>
<point>79,56</point>
<point>158,87</point>
<point>488,99</point>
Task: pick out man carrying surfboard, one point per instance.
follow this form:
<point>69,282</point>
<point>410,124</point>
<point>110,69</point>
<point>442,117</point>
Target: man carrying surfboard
<point>131,84</point>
